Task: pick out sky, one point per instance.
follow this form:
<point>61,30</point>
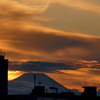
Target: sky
<point>65,31</point>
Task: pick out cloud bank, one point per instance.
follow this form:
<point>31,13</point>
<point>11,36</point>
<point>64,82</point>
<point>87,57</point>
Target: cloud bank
<point>22,39</point>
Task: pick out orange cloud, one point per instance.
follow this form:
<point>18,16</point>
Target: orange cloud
<point>40,5</point>
<point>78,4</point>
<point>29,39</point>
<point>22,39</point>
<point>82,4</point>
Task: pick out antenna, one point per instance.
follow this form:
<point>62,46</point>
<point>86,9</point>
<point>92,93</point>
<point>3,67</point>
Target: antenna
<point>52,85</point>
<point>2,54</point>
<point>38,78</point>
<point>34,80</point>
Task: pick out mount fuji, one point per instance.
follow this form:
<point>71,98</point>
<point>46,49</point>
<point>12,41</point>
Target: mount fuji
<point>25,83</point>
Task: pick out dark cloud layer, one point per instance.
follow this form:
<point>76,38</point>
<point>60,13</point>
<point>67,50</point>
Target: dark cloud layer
<point>48,43</point>
<point>38,66</point>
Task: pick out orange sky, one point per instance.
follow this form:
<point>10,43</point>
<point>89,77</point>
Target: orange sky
<point>48,30</point>
<point>26,35</point>
<point>75,79</point>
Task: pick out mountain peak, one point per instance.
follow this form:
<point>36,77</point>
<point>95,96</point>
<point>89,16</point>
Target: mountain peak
<point>25,83</point>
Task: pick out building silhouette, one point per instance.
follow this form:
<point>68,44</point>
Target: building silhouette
<point>3,74</point>
<point>89,91</point>
<point>38,91</point>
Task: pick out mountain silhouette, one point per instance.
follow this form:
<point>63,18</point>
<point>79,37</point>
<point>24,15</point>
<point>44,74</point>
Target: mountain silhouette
<point>25,83</point>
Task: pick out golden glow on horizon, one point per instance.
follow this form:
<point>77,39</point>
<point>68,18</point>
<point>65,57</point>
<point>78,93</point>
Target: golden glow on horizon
<point>71,79</point>
<point>14,74</point>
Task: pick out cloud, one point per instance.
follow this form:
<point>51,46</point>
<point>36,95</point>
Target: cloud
<point>53,67</point>
<point>73,20</point>
<point>35,43</point>
<point>14,10</point>
<point>38,6</point>
<point>36,66</point>
<point>82,4</point>
<point>75,79</point>
<point>46,43</point>
<point>22,39</point>
<point>78,4</point>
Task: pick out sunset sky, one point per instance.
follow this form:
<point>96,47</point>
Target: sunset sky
<point>65,31</point>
